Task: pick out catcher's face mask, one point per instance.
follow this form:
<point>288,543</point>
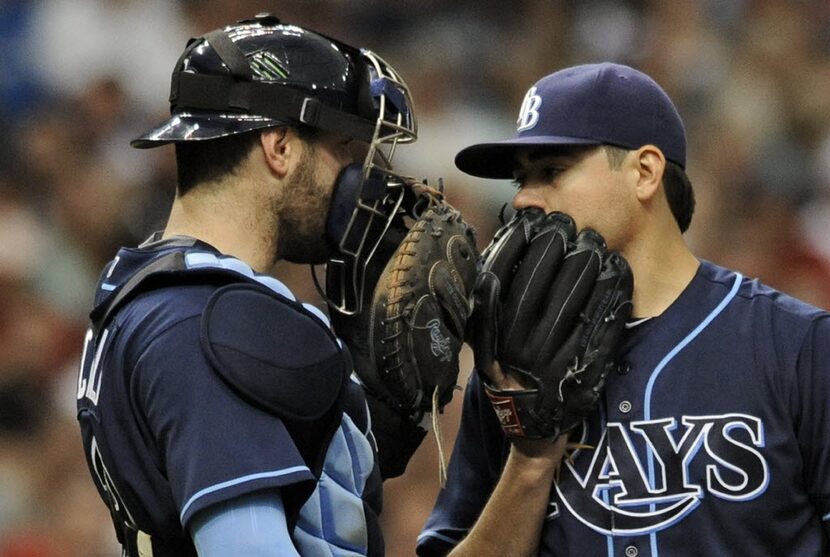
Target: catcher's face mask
<point>368,199</point>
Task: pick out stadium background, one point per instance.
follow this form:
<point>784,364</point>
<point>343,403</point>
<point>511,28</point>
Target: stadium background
<point>79,78</point>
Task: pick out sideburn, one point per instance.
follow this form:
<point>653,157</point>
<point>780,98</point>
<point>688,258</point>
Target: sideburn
<point>301,214</point>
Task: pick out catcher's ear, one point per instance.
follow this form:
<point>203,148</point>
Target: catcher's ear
<point>649,164</point>
<point>278,146</point>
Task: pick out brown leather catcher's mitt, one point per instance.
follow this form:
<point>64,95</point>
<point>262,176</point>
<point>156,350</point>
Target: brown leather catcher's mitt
<point>405,342</point>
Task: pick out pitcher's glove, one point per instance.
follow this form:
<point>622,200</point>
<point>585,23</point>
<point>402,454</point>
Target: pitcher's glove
<point>550,307</point>
<point>405,343</point>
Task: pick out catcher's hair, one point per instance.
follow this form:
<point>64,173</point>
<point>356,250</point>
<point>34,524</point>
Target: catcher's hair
<point>676,183</point>
<point>198,162</point>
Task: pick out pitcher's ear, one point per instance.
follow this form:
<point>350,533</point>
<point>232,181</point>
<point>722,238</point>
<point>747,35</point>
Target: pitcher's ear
<point>650,164</point>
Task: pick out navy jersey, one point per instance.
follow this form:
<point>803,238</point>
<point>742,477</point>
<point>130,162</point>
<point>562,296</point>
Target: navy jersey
<point>165,436</point>
<point>711,439</point>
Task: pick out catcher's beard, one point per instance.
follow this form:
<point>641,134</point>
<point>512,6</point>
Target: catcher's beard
<point>301,214</point>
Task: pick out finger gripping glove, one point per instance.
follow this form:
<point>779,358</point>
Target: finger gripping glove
<point>550,308</point>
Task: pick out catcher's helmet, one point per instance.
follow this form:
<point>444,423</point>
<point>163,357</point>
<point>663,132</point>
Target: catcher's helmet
<point>261,72</point>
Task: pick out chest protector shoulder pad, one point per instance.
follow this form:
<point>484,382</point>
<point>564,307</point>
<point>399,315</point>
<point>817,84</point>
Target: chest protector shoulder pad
<point>273,351</point>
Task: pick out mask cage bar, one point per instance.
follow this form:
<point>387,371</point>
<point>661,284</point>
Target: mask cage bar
<point>352,263</point>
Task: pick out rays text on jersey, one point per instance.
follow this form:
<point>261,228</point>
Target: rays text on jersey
<point>618,490</point>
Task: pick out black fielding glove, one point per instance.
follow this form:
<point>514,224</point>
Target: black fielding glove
<point>550,306</point>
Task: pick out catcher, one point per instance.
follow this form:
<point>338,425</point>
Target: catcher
<point>211,400</point>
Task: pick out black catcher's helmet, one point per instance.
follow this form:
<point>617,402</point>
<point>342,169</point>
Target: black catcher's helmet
<point>260,73</point>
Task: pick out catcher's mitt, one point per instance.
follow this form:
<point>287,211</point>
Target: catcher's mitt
<point>550,307</point>
<point>405,343</point>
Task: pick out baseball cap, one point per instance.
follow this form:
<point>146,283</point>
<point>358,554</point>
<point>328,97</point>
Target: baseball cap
<point>591,104</point>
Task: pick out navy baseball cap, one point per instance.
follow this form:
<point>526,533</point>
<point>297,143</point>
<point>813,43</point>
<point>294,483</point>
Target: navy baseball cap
<point>592,104</point>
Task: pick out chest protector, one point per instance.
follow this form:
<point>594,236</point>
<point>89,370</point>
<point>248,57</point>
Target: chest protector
<point>272,350</point>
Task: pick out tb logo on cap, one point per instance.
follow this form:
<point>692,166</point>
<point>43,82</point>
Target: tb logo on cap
<point>529,112</point>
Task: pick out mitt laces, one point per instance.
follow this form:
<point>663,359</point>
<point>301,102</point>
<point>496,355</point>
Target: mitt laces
<point>439,439</point>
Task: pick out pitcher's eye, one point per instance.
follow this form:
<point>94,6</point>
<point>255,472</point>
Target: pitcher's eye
<point>549,173</point>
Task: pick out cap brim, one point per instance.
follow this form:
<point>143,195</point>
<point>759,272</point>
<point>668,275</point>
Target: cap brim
<point>199,126</point>
<point>498,159</point>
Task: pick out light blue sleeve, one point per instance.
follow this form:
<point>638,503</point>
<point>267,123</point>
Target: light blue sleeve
<point>252,525</point>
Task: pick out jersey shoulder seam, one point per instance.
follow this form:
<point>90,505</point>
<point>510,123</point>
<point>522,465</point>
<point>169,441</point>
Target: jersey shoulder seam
<point>769,293</point>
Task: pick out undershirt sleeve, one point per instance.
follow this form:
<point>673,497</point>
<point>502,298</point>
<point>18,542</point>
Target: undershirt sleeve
<point>253,525</point>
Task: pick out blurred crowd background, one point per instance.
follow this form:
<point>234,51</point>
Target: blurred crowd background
<point>79,78</point>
